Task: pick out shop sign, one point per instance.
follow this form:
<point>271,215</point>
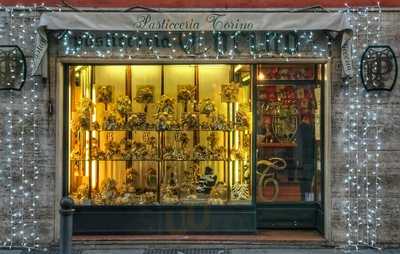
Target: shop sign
<point>216,22</point>
<point>379,68</point>
<point>12,68</point>
<point>190,43</point>
<point>234,34</point>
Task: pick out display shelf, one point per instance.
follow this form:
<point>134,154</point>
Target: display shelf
<point>184,203</point>
<point>276,145</point>
<point>119,160</point>
<point>167,160</point>
<point>286,82</point>
<point>191,150</point>
<point>167,130</point>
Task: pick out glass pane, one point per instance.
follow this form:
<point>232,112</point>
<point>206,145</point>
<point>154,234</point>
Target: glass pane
<point>288,133</point>
<point>160,134</point>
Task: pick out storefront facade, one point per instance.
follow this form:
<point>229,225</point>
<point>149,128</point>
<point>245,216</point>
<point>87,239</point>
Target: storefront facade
<point>196,121</point>
<point>206,139</point>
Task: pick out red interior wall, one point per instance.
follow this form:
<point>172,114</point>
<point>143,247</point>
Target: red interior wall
<point>206,3</point>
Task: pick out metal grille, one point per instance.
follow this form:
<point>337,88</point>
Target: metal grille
<point>187,251</point>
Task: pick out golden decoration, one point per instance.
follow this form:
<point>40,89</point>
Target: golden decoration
<point>145,94</point>
<point>104,94</point>
<point>241,120</point>
<point>123,106</point>
<point>240,191</point>
<point>111,121</point>
<point>108,192</point>
<point>218,194</point>
<point>190,121</point>
<point>207,107</point>
<point>230,92</point>
<point>85,110</point>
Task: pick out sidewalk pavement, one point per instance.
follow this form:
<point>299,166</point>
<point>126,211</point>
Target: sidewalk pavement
<point>211,250</point>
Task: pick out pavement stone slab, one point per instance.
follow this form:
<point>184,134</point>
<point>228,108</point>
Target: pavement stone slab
<point>124,251</point>
<point>10,251</point>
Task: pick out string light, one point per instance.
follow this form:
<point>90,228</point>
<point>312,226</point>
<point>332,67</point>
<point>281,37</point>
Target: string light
<point>214,44</point>
<point>362,132</point>
<point>362,182</point>
<point>21,173</point>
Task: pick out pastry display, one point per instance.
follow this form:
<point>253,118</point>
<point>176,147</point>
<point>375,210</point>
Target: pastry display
<point>112,150</point>
<point>189,182</point>
<point>123,106</point>
<point>240,191</point>
<point>148,198</point>
<point>111,121</point>
<point>200,152</point>
<point>104,94</point>
<point>174,153</point>
<point>218,195</point>
<point>76,153</point>
<point>108,192</point>
<point>230,92</point>
<point>81,195</point>
<point>215,122</point>
<point>190,121</point>
<point>207,107</point>
<point>85,110</point>
<point>151,142</point>
<point>207,181</point>
<point>166,105</point>
<point>139,151</point>
<point>215,152</point>
<point>171,144</point>
<point>151,178</point>
<point>128,198</point>
<point>94,151</point>
<point>169,195</point>
<point>186,94</point>
<point>241,120</point>
<point>165,121</point>
<point>145,94</point>
<point>136,121</point>
<point>132,178</point>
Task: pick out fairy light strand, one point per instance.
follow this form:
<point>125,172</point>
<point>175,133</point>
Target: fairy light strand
<point>22,115</point>
<point>362,225</point>
<point>362,162</point>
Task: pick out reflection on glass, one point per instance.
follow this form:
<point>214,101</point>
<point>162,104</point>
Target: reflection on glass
<point>288,133</point>
<point>160,134</point>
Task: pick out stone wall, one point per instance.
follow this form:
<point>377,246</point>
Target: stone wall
<point>45,184</point>
<point>389,232</point>
<point>389,117</point>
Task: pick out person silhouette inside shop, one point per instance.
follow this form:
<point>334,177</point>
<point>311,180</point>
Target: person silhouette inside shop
<point>305,156</point>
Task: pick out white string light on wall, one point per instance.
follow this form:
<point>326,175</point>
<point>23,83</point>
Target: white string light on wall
<point>21,174</point>
<point>361,132</point>
<point>362,138</point>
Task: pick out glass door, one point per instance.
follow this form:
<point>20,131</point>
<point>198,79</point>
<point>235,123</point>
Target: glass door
<point>288,134</point>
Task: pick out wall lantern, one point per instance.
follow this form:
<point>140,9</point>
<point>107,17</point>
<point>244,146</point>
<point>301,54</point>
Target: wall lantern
<point>12,68</point>
<point>378,68</point>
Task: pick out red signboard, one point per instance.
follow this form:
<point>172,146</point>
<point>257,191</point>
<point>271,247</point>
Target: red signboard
<point>206,3</point>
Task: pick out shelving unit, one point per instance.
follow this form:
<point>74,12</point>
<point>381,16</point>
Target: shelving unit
<point>105,154</point>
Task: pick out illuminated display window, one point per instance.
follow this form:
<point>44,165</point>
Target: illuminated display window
<point>160,135</point>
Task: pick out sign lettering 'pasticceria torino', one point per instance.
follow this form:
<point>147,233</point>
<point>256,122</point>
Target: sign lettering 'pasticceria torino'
<point>215,21</point>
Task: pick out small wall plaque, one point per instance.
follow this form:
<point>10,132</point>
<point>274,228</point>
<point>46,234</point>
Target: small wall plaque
<point>12,68</point>
<point>379,68</point>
